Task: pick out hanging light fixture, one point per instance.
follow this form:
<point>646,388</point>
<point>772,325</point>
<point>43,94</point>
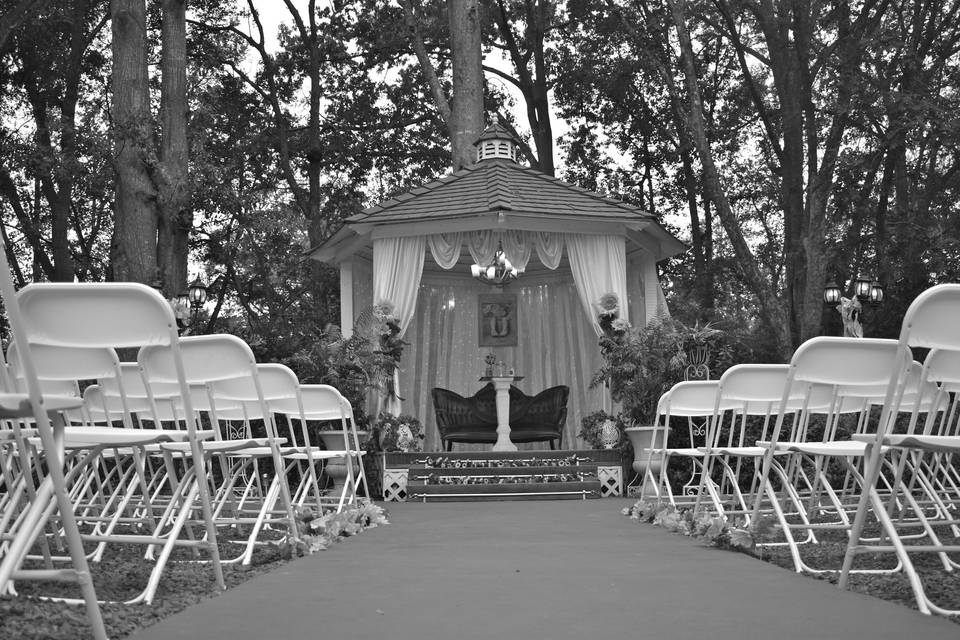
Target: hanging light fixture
<point>498,272</point>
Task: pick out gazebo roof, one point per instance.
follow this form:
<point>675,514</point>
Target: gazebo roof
<point>492,186</point>
<point>497,192</point>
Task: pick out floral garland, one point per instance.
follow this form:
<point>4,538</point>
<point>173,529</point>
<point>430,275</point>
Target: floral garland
<point>712,530</point>
<point>434,478</point>
<point>319,531</point>
<point>441,462</point>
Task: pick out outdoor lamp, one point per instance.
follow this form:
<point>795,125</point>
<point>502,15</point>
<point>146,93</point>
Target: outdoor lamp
<point>876,293</point>
<point>861,288</point>
<point>182,299</point>
<point>197,293</point>
<point>831,293</point>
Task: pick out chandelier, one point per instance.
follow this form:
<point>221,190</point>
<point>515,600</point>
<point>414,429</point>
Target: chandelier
<point>498,273</point>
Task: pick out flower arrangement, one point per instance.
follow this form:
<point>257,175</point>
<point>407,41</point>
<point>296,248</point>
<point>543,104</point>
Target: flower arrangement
<point>399,433</point>
<point>390,345</point>
<point>602,430</point>
<point>608,317</point>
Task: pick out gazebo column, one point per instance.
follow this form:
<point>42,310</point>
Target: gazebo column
<point>346,298</point>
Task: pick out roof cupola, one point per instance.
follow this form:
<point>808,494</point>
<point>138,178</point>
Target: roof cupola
<point>496,143</point>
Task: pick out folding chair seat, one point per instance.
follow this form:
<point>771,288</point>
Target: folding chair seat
<point>120,315</point>
<point>929,323</point>
<point>318,402</point>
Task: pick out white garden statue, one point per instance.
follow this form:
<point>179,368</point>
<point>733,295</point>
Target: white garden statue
<point>849,309</point>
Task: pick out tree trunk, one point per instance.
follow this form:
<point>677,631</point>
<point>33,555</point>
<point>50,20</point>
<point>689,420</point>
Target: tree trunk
<point>466,117</point>
<point>771,311</point>
<point>173,185</point>
<point>133,252</point>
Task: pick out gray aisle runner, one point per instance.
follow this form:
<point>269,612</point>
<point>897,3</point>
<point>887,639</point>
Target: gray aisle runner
<point>537,570</point>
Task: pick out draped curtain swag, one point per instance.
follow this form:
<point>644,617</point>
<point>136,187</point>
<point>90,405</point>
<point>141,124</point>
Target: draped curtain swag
<point>549,248</point>
<point>599,266</point>
<point>445,248</point>
<point>516,248</point>
<point>483,245</point>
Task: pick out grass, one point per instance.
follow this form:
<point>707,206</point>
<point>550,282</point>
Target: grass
<point>121,576</point>
<point>124,573</point>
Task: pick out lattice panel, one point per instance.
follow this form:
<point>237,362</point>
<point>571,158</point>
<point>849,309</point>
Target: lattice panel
<point>611,481</point>
<point>395,485</point>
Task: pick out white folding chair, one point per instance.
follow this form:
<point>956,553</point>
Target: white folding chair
<point>929,323</point>
<point>52,489</point>
<point>319,402</point>
<point>848,370</point>
<point>692,400</point>
<point>213,361</point>
<point>127,315</point>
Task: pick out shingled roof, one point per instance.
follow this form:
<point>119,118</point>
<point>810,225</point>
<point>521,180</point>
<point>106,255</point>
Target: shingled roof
<point>491,186</point>
<point>497,191</point>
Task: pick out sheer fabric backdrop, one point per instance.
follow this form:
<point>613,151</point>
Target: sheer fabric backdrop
<point>556,345</point>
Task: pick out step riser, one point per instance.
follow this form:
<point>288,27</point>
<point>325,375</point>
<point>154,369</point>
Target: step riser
<point>525,473</point>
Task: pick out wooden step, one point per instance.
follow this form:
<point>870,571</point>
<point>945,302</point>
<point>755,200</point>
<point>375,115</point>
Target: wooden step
<point>500,475</point>
<point>531,490</point>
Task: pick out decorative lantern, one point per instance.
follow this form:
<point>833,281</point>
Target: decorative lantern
<point>876,293</point>
<point>197,293</point>
<point>831,293</point>
<point>861,288</point>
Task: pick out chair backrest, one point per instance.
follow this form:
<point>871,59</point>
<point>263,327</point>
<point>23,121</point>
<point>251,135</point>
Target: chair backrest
<point>58,362</point>
<point>931,319</point>
<point>206,360</point>
<point>106,314</point>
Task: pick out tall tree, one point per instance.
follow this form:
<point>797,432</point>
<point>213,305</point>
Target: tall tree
<point>134,249</point>
<point>526,49</point>
<point>462,113</point>
<point>174,216</point>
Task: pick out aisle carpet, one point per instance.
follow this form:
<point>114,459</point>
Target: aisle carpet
<point>537,570</point>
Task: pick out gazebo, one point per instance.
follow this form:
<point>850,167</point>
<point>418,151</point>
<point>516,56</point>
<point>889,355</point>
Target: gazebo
<point>423,251</point>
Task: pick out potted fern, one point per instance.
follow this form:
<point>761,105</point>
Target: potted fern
<point>640,364</point>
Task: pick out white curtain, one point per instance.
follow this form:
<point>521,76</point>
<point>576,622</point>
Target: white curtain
<point>445,248</point>
<point>555,346</point>
<point>397,269</point>
<point>599,266</point>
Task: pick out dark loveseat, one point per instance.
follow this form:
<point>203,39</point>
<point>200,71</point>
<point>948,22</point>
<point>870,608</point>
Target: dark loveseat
<point>536,418</point>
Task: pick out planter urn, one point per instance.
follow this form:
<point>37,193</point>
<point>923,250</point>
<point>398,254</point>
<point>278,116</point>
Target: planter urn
<point>642,439</point>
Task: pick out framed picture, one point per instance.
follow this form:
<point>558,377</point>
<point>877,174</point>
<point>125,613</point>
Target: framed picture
<point>498,320</point>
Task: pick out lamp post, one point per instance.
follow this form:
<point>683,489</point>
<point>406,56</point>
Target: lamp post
<point>196,297</point>
<point>865,291</point>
